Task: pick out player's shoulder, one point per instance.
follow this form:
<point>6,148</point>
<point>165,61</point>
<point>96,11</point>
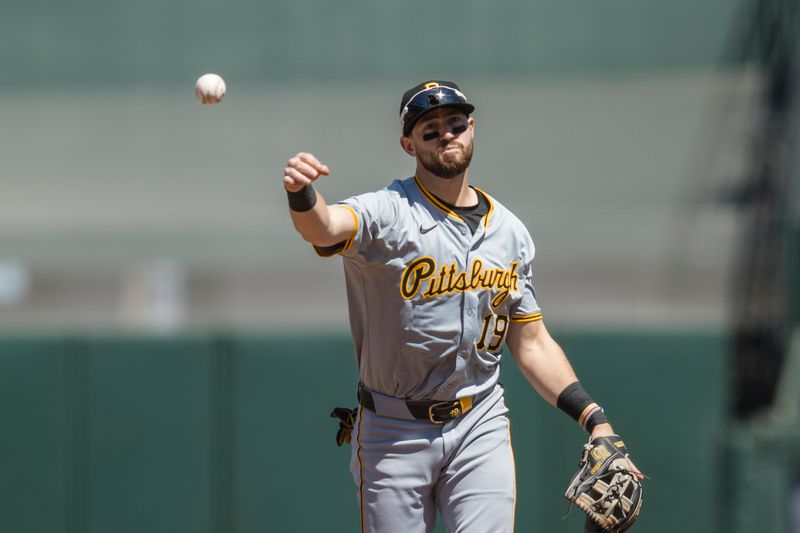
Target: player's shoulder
<point>383,206</point>
<point>393,191</point>
<point>388,193</point>
<point>500,213</point>
<point>399,188</point>
<point>505,224</point>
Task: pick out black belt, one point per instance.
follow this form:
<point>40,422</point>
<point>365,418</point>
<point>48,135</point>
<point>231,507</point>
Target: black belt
<point>437,412</point>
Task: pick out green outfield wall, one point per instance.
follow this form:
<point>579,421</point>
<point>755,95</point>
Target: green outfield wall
<point>231,433</point>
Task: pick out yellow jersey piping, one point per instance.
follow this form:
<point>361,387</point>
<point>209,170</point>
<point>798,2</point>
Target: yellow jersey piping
<point>435,201</point>
<point>360,469</point>
<point>348,242</point>
<point>491,208</point>
<point>527,318</point>
<point>514,464</point>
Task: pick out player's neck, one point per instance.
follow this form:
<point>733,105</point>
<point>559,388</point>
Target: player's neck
<point>455,191</point>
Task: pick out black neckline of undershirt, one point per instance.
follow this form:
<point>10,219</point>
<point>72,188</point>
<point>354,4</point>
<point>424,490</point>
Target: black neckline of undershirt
<point>472,214</point>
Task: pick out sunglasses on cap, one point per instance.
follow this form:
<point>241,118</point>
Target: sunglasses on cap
<point>428,99</point>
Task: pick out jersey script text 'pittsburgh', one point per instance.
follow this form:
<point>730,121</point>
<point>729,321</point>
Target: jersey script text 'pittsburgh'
<point>449,279</point>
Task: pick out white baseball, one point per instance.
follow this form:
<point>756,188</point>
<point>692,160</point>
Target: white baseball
<point>209,88</point>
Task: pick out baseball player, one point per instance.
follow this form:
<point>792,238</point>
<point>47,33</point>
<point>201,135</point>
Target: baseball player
<point>439,278</point>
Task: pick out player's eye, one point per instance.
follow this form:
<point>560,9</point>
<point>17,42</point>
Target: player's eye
<point>429,136</point>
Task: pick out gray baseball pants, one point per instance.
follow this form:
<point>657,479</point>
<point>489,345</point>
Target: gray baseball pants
<point>406,470</point>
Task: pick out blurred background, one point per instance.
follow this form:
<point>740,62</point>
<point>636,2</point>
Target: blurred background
<point>170,348</point>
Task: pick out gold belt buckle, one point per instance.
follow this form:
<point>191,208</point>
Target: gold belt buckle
<point>463,405</point>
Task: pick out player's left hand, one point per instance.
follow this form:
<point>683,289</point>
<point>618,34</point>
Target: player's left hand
<point>606,487</point>
<point>605,430</point>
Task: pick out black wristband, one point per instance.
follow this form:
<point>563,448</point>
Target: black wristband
<point>302,200</point>
<point>575,401</point>
<point>595,418</point>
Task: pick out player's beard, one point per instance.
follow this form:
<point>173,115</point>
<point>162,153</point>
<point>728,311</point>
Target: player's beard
<point>447,165</point>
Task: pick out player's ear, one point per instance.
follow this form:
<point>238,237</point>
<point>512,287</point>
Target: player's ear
<point>408,146</point>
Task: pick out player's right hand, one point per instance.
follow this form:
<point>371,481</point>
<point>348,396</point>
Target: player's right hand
<point>301,170</point>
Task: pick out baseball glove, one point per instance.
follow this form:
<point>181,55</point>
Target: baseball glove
<point>604,487</point>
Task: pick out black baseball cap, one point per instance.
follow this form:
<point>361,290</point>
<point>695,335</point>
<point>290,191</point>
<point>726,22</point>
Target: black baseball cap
<point>428,96</point>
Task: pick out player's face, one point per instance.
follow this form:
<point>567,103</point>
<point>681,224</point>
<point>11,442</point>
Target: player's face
<point>443,142</point>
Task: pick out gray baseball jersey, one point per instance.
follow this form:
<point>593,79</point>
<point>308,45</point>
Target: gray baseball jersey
<point>430,303</point>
